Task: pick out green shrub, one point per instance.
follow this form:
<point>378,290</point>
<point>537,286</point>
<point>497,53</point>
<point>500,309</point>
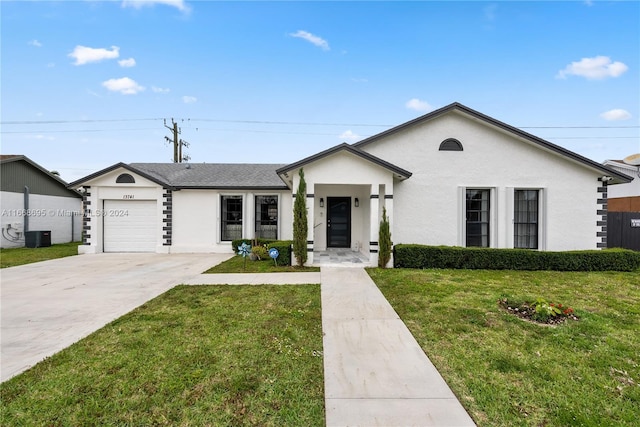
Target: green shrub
<point>300,226</point>
<point>284,251</point>
<point>260,252</point>
<point>421,256</point>
<point>384,241</point>
<point>283,247</point>
<point>250,242</point>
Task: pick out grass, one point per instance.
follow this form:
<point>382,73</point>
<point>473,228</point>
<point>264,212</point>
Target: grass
<point>10,257</point>
<point>237,264</point>
<point>194,356</point>
<point>252,355</point>
<point>510,372</point>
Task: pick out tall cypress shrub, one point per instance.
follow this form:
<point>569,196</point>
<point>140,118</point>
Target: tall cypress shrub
<point>384,240</point>
<point>300,222</point>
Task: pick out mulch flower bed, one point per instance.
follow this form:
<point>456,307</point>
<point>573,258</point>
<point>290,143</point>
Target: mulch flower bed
<point>527,311</point>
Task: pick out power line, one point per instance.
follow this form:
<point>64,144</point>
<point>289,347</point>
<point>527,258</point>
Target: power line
<point>38,122</point>
<point>75,131</point>
<point>275,132</point>
<point>270,122</point>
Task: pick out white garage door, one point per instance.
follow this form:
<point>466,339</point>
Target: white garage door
<point>130,225</point>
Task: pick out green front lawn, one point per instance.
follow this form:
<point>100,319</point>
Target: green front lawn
<point>252,355</point>
<point>194,356</point>
<point>238,264</point>
<point>18,256</point>
<point>510,372</point>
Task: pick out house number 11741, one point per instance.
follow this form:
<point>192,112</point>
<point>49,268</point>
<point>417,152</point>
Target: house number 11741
<point>127,196</point>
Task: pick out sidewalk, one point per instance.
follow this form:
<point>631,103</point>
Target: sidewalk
<point>375,372</point>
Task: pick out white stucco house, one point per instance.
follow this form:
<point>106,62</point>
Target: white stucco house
<point>451,177</point>
<point>33,199</point>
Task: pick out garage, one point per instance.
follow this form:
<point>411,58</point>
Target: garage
<point>130,225</point>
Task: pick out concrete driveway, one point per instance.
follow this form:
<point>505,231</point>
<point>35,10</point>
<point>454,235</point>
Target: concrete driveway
<point>47,306</point>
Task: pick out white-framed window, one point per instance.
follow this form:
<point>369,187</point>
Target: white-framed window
<point>266,216</point>
<point>526,218</point>
<point>230,217</point>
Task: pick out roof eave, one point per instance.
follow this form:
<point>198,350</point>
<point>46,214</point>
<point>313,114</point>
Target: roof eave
<point>20,157</point>
<point>111,168</point>
<point>230,187</point>
<point>397,171</point>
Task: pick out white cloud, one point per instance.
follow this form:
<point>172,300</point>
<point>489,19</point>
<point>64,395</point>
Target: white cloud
<point>41,137</point>
<point>125,86</point>
<point>596,68</point>
<point>35,43</point>
<point>349,136</point>
<point>189,99</point>
<point>181,5</point>
<point>318,41</point>
<point>616,114</point>
<point>160,89</point>
<point>418,105</point>
<point>84,55</point>
<point>126,63</point>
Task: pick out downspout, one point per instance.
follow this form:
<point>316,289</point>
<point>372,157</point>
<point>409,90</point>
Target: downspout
<point>26,208</point>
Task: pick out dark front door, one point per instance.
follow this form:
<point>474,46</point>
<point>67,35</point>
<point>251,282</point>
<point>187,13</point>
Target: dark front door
<point>339,222</point>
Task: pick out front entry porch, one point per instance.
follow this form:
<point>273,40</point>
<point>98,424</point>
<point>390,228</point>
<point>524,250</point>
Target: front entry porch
<point>347,190</point>
<point>345,220</point>
<point>341,257</point>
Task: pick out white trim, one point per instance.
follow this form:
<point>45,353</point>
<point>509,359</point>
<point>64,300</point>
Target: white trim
<point>542,219</point>
<point>494,207</point>
<point>510,215</point>
<point>462,216</point>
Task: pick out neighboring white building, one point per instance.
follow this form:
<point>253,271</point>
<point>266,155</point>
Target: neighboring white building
<point>623,217</point>
<point>451,177</point>
<point>631,189</point>
<point>34,199</point>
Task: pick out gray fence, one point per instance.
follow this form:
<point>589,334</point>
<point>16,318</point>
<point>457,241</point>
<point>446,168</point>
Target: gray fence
<point>623,230</point>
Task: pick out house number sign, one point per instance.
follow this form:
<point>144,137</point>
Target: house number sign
<point>635,223</point>
<point>127,196</point>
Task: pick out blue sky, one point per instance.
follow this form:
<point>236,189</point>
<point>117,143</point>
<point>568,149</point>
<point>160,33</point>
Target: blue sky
<point>86,84</point>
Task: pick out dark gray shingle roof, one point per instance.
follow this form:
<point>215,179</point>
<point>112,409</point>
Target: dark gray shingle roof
<point>213,175</point>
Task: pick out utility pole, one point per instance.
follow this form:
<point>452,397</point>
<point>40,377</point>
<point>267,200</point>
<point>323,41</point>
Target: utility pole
<point>177,143</point>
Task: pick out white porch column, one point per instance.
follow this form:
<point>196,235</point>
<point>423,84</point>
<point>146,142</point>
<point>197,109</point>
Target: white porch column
<point>310,202</point>
<point>249,215</point>
<point>374,215</point>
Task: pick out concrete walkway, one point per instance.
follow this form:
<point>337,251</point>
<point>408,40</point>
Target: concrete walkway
<point>375,372</point>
